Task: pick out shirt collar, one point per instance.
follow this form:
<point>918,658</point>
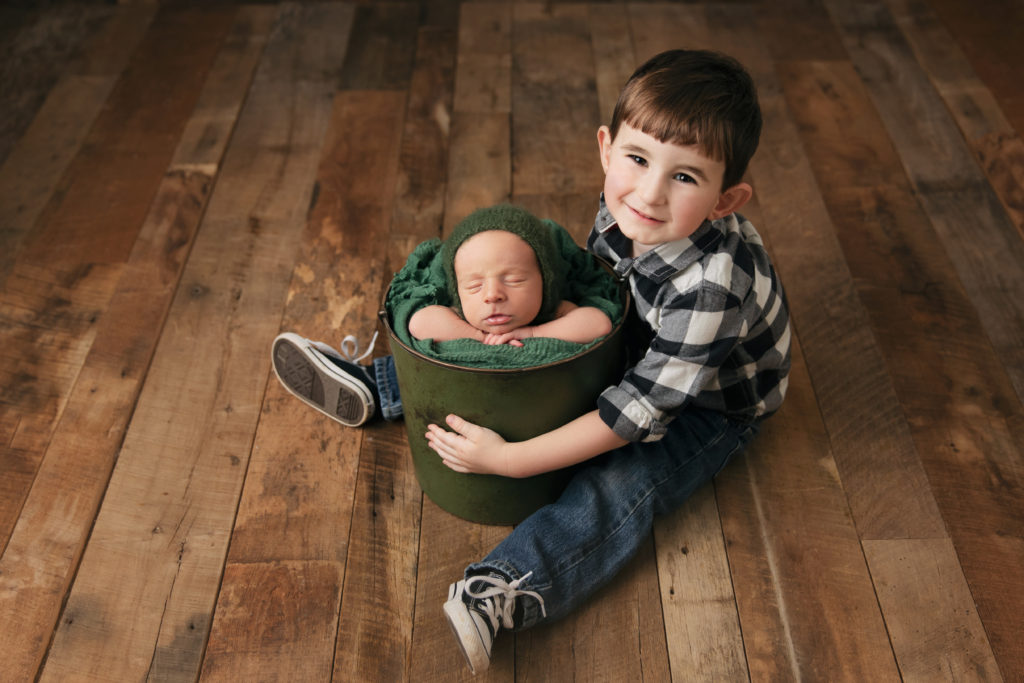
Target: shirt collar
<point>670,258</point>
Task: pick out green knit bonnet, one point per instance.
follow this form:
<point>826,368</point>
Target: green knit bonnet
<point>532,230</point>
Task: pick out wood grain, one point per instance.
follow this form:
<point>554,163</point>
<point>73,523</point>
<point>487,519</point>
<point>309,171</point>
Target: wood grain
<point>997,146</point>
<point>375,638</point>
<point>36,45</point>
<point>34,166</point>
<point>873,532</point>
<point>479,153</point>
<point>554,115</point>
<point>107,189</point>
<point>699,605</point>
<point>70,483</point>
<point>945,176</point>
<point>804,593</point>
<point>447,546</point>
<point>934,639</point>
<point>162,538</point>
<point>614,57</point>
<point>996,61</point>
<point>381,47</point>
<point>882,475</point>
<point>422,172</point>
<point>895,258</point>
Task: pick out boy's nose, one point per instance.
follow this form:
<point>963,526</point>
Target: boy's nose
<point>650,189</point>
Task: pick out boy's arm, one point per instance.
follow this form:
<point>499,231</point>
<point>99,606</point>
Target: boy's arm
<point>441,323</point>
<point>471,448</point>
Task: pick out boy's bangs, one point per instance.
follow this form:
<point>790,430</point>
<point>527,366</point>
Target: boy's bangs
<point>667,127</point>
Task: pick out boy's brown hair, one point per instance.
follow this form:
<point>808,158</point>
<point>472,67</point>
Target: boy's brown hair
<point>695,97</point>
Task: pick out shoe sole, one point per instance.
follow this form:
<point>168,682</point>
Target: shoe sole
<point>461,624</point>
<point>319,385</point>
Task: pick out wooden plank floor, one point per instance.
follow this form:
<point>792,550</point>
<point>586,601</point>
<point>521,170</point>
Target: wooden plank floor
<point>180,182</point>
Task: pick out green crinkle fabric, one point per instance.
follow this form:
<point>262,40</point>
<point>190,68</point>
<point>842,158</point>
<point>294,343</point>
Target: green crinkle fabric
<point>421,282</point>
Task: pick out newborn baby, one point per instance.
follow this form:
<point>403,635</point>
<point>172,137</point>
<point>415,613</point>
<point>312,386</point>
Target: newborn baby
<point>506,277</point>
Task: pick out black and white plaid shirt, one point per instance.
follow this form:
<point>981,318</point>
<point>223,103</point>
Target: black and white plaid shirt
<point>720,327</point>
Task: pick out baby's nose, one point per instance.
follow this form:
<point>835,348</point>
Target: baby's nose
<point>493,292</point>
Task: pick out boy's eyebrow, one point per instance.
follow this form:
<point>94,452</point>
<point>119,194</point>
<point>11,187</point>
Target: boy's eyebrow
<point>692,170</point>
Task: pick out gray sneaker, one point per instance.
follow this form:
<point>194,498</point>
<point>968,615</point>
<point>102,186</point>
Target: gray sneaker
<point>321,377</point>
<point>476,615</point>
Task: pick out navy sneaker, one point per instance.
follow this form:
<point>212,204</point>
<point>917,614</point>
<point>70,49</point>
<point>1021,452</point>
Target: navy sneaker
<point>321,377</point>
<point>477,608</point>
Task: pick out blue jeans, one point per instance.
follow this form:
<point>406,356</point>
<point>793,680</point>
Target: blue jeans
<point>389,400</point>
<point>578,543</point>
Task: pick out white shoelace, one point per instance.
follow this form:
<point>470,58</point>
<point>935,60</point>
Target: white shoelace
<point>350,348</point>
<point>501,589</point>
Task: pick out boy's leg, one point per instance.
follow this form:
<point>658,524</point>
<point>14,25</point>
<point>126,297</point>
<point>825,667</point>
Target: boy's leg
<point>338,387</point>
<point>569,549</point>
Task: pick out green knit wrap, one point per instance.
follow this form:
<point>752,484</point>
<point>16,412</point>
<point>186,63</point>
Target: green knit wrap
<point>422,282</point>
<point>525,225</point>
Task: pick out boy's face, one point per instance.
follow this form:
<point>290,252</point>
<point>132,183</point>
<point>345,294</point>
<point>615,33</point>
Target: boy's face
<point>659,192</point>
<point>499,281</point>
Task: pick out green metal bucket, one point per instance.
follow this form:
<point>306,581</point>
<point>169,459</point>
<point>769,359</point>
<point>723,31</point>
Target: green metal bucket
<point>518,404</point>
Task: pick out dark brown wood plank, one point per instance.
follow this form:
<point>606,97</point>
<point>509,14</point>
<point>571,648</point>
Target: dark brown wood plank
<point>282,618</point>
<point>376,631</point>
<point>591,644</point>
<point>985,36</point>
<point>293,519</point>
<point>927,330</point>
<point>811,37</point>
<point>997,146</point>
<point>479,153</point>
<point>35,47</point>
<point>38,160</point>
<point>806,601</point>
<point>698,601</point>
<point>422,171</point>
<point>932,641</point>
<point>555,114</point>
<point>48,321</point>
<point>107,189</point>
<point>614,57</point>
<point>870,439</point>
<point>447,546</point>
<point>382,47</point>
<point>162,533</point>
<point>951,187</point>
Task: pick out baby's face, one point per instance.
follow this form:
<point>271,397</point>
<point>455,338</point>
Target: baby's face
<point>499,281</point>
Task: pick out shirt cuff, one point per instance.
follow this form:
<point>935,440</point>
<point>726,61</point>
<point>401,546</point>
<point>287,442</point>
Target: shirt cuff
<point>627,416</point>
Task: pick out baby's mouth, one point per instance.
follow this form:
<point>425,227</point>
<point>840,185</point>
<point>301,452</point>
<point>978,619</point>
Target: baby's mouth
<point>497,319</point>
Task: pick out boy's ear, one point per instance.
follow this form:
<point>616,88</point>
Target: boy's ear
<point>731,200</point>
<point>604,144</point>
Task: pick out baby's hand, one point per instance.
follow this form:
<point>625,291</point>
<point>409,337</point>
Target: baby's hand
<point>505,338</point>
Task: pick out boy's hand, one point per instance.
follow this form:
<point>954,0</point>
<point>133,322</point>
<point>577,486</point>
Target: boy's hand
<point>470,448</point>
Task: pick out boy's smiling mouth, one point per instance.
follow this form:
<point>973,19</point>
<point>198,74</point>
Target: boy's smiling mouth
<point>643,216</point>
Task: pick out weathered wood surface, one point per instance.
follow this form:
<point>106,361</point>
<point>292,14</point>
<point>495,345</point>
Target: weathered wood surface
<point>189,180</point>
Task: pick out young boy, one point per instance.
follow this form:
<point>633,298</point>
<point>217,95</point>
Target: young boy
<point>713,330</point>
<point>504,273</point>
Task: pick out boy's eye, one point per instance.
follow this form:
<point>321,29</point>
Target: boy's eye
<point>685,178</point>
<point>637,159</point>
